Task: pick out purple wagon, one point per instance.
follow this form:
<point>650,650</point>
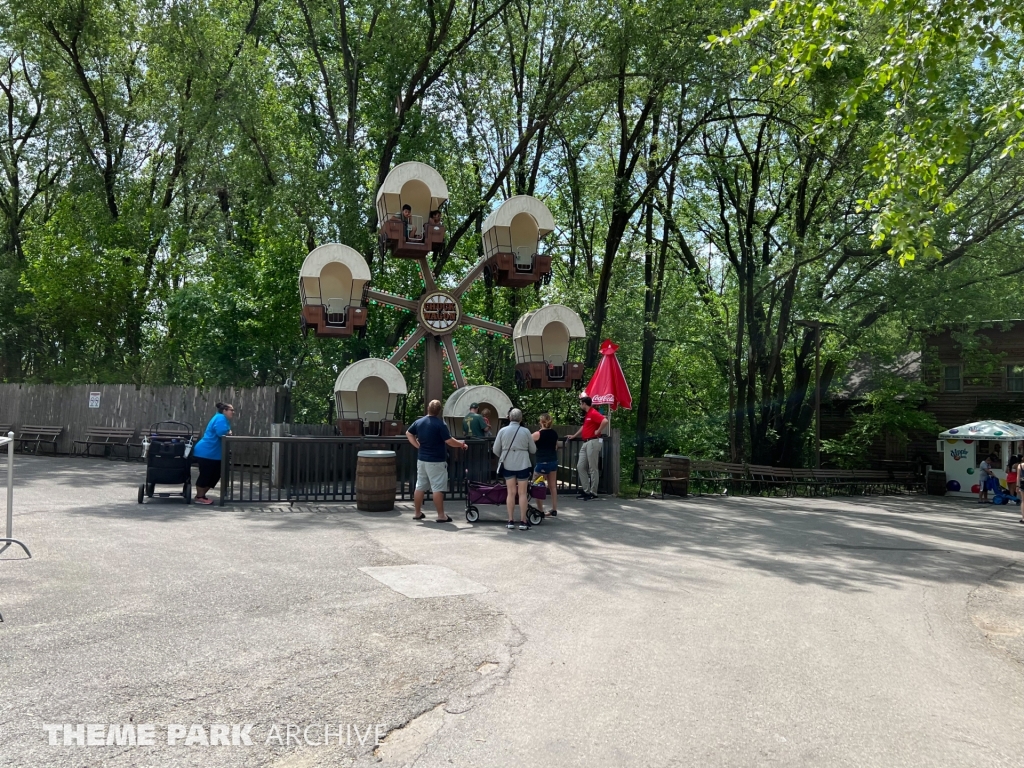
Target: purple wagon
<point>496,494</point>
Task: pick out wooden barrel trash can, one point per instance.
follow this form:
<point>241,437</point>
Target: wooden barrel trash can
<point>376,481</point>
<point>679,466</point>
<point>935,483</point>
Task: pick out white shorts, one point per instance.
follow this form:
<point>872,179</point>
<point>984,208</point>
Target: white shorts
<point>432,476</point>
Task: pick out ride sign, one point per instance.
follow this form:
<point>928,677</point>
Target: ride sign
<point>439,312</point>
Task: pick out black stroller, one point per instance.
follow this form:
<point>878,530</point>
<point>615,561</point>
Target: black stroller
<point>167,449</point>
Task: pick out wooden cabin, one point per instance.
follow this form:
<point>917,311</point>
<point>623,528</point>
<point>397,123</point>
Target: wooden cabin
<point>542,340</point>
<point>404,202</point>
<point>512,236</point>
<point>367,395</point>
<point>331,284</point>
<point>980,379</point>
<point>977,374</point>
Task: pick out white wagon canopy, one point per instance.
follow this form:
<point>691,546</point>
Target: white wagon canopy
<point>494,405</point>
<point>542,339</point>
<point>331,284</point>
<point>512,235</point>
<point>368,391</point>
<point>420,187</point>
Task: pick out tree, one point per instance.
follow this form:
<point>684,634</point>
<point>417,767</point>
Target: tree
<point>904,54</point>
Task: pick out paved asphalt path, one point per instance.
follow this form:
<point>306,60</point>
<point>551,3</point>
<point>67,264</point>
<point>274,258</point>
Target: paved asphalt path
<point>705,632</point>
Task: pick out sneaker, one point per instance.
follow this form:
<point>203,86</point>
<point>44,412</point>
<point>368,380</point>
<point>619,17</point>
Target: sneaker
<point>511,525</point>
<point>524,525</point>
<point>202,500</point>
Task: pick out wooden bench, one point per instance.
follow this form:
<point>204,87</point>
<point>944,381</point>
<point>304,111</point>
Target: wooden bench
<point>37,435</point>
<point>758,478</point>
<point>718,476</point>
<point>772,478</point>
<point>910,481</point>
<point>6,429</point>
<point>107,438</point>
<point>659,471</point>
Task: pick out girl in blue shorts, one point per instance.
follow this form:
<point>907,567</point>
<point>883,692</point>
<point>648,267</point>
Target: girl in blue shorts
<point>547,461</point>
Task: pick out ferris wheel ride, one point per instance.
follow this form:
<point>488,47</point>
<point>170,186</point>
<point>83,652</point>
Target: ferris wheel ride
<point>408,205</point>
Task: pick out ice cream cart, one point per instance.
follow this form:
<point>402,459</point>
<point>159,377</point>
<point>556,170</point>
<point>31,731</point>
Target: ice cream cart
<point>960,457</point>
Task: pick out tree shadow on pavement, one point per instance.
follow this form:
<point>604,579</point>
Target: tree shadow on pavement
<point>842,543</point>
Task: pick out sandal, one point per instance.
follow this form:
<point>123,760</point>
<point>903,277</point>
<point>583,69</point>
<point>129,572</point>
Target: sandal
<point>446,520</point>
<point>421,517</point>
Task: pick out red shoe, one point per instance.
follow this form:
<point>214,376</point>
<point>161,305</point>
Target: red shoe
<point>202,500</point>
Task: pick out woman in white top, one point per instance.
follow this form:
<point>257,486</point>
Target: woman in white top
<point>513,446</point>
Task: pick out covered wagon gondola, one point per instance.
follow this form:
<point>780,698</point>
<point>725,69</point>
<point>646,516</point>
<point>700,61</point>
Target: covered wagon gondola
<point>331,284</point>
<point>367,395</point>
<point>494,406</point>
<point>410,233</point>
<point>542,340</point>
<point>512,235</point>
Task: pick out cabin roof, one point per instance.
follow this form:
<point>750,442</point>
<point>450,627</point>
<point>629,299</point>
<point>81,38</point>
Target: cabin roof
<point>457,404</point>
<point>413,171</point>
<point>318,258</point>
<point>533,323</point>
<point>502,215</point>
<point>350,378</point>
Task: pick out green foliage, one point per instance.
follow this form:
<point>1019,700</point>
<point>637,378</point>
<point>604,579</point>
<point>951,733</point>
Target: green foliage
<point>947,74</point>
<point>164,169</point>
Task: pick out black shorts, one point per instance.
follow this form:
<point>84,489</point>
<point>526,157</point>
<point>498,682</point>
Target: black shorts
<point>518,474</point>
<point>209,472</point>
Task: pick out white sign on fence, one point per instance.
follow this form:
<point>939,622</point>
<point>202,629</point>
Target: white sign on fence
<point>94,399</point>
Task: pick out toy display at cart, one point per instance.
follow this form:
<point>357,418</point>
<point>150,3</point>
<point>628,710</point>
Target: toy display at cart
<point>493,405</point>
<point>496,493</point>
<point>167,451</point>
<point>366,395</point>
<point>959,445</point>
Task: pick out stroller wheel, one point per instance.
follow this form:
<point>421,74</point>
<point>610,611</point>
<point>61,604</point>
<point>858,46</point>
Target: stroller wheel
<point>536,516</point>
<point>142,493</point>
<point>187,493</point>
<point>472,514</point>
<point>150,489</point>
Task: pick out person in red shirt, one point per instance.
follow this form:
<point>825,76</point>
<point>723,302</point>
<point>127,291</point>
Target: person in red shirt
<point>590,452</point>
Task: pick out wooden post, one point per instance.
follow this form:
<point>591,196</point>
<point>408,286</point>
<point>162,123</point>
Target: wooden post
<point>433,380</point>
<point>817,396</point>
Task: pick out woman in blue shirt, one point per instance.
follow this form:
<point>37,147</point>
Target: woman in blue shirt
<point>207,451</point>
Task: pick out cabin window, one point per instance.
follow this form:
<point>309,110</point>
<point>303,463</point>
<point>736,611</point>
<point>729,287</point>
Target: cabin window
<point>951,378</point>
<point>1015,378</point>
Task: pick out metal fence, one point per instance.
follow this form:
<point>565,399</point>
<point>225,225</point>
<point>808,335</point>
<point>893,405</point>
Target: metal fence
<point>311,468</point>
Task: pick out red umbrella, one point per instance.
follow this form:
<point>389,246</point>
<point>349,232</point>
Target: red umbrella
<point>608,385</point>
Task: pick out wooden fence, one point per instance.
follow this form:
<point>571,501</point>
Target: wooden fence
<point>128,406</point>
